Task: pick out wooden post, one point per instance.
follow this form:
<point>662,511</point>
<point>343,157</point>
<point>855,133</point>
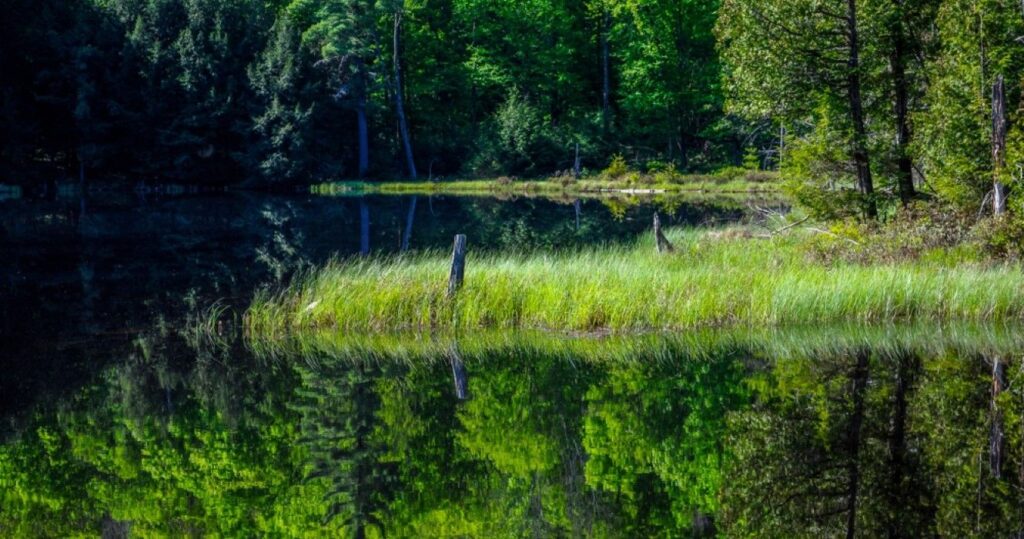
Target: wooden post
<point>459,376</point>
<point>998,145</point>
<point>458,265</point>
<point>661,242</point>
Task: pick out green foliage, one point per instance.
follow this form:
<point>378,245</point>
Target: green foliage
<point>616,169</point>
<point>233,89</point>
<point>977,44</point>
<point>733,432</point>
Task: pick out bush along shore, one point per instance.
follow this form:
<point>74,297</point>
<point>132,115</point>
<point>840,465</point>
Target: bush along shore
<point>793,275</point>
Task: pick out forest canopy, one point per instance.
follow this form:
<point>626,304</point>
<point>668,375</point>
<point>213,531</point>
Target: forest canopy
<point>876,101</point>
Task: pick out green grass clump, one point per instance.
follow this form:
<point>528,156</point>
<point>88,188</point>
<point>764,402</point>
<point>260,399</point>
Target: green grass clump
<point>714,279</point>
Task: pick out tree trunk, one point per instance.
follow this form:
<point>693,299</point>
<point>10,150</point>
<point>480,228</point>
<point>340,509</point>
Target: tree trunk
<point>364,135</point>
<point>899,79</point>
<point>363,131</point>
<point>997,437</point>
<point>998,145</point>
<point>576,163</point>
<point>896,493</point>
<point>860,379</point>
<point>606,84</point>
<point>403,126</point>
<point>860,150</point>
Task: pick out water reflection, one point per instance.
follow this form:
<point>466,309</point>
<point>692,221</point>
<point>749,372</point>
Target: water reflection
<point>857,432</point>
<point>83,275</point>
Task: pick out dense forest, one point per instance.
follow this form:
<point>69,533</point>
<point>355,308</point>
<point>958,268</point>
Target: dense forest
<point>222,90</point>
<point>879,100</point>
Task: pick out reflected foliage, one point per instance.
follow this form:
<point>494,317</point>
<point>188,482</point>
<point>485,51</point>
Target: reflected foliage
<point>622,437</point>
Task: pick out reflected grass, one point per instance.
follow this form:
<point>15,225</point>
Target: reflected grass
<point>713,280</point>
<point>697,345</point>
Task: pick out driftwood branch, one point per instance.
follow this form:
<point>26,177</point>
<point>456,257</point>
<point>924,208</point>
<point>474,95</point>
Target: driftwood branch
<point>790,225</point>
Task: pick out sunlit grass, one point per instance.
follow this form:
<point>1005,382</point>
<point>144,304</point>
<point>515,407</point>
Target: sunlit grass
<point>712,280</point>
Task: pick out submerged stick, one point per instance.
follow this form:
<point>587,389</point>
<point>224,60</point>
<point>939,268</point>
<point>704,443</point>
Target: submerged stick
<point>458,265</point>
<point>661,242</point>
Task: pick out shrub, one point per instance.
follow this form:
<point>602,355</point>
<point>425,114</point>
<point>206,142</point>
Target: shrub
<point>654,166</point>
<point>516,140</point>
<point>923,232</point>
<point>616,169</point>
<point>667,176</point>
<point>1000,237</point>
<point>751,160</point>
<point>728,174</point>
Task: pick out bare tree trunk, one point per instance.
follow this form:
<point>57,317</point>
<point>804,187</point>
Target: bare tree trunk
<point>860,150</point>
<point>896,491</point>
<point>364,136</point>
<point>899,79</point>
<point>576,163</point>
<point>860,378</point>
<point>360,118</point>
<point>998,145</point>
<point>997,436</point>
<point>403,126</point>
<point>606,84</point>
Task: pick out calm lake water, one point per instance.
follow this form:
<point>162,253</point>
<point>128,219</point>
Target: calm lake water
<point>120,420</point>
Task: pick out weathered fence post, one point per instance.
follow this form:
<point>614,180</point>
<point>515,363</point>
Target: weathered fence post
<point>661,242</point>
<point>459,376</point>
<point>998,145</point>
<point>458,265</point>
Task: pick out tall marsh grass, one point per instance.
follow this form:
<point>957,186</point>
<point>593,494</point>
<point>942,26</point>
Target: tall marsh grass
<point>712,280</point>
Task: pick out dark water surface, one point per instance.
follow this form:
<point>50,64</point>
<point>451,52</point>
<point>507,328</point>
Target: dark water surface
<point>120,418</point>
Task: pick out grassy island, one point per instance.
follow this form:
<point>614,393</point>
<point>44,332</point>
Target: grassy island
<point>717,278</point>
